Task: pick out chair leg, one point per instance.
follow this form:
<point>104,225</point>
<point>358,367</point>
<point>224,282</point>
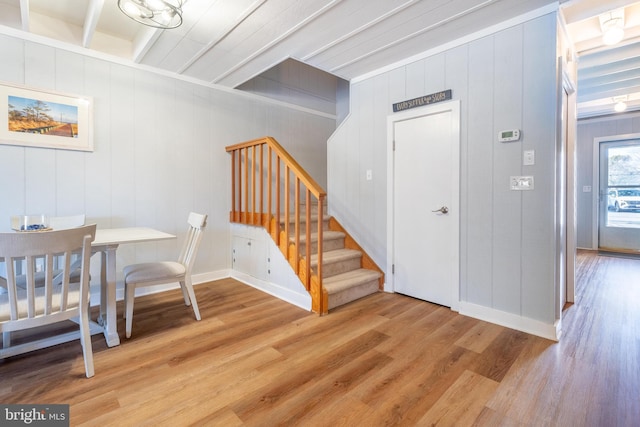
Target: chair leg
<point>85,341</point>
<point>185,294</point>
<point>130,293</point>
<point>192,296</point>
<point>6,339</point>
<point>124,312</point>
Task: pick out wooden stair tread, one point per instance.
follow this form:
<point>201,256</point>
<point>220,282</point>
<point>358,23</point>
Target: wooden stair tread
<point>349,279</point>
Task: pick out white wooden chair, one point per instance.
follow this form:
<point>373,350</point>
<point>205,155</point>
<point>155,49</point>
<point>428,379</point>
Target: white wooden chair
<point>55,223</point>
<point>165,272</point>
<point>33,306</point>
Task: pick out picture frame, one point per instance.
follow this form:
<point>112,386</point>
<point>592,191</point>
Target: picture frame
<point>43,118</point>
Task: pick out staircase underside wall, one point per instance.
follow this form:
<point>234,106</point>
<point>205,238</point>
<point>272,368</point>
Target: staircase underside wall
<point>267,269</point>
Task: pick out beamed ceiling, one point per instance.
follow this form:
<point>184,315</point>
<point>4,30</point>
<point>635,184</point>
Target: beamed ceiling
<point>228,42</point>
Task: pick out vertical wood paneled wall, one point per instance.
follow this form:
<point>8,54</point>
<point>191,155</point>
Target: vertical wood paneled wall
<point>159,150</point>
<point>504,81</point>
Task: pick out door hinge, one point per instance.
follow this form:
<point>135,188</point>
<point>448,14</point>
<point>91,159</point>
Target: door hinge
<point>393,269</point>
<point>394,145</point>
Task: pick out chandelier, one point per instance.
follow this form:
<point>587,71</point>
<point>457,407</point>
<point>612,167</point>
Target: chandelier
<point>154,13</point>
<point>612,25</point>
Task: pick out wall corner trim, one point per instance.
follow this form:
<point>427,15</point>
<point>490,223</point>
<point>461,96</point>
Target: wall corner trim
<point>551,331</point>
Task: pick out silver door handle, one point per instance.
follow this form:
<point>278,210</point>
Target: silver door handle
<point>442,210</point>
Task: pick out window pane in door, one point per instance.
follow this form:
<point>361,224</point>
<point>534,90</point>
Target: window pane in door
<point>623,186</point>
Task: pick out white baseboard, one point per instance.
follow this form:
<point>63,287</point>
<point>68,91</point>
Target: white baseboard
<point>509,320</point>
<point>502,318</point>
<point>196,278</point>
<point>513,321</point>
<point>300,300</point>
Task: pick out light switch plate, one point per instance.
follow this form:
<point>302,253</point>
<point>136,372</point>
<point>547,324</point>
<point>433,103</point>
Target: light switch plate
<point>529,158</point>
<point>520,183</point>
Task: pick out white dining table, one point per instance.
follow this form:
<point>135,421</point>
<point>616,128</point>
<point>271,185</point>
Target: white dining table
<point>106,242</point>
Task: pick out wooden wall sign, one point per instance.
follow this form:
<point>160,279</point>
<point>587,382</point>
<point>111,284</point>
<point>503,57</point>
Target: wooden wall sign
<point>422,101</point>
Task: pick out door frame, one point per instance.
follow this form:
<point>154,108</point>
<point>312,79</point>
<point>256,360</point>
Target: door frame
<point>571,239</point>
<point>454,107</point>
<point>595,226</point>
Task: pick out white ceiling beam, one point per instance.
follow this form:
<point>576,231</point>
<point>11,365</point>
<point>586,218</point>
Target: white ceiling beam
<point>232,26</point>
<point>358,30</point>
<point>609,56</point>
<point>595,113</point>
<point>277,40</point>
<point>91,21</point>
<point>608,90</point>
<point>412,35</point>
<point>144,40</point>
<point>609,78</point>
<point>595,45</point>
<point>24,14</point>
<point>609,68</point>
<point>579,10</point>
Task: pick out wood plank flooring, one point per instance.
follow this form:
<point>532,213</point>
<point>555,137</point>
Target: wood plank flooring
<point>384,360</point>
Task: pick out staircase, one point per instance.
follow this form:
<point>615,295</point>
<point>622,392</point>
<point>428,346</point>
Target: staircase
<point>345,276</point>
<point>338,271</point>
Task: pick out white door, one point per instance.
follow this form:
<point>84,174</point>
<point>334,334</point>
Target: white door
<point>425,225</point>
<point>619,210</point>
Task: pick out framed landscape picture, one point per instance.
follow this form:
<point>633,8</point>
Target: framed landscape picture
<point>41,118</point>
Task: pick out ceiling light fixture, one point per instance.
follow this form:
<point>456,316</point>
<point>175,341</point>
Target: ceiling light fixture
<point>612,26</point>
<point>163,14</point>
<point>620,103</point>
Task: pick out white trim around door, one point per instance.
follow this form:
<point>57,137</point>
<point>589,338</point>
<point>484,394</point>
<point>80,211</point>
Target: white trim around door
<point>453,177</point>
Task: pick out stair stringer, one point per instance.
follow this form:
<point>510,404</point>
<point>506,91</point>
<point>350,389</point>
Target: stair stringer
<point>351,243</point>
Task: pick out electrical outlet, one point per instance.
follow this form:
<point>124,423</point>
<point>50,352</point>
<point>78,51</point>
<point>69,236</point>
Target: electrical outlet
<point>521,183</point>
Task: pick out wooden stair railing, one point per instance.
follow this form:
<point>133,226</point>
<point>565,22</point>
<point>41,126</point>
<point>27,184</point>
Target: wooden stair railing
<point>282,176</point>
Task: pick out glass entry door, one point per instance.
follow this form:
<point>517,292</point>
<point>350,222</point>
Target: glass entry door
<point>619,207</point>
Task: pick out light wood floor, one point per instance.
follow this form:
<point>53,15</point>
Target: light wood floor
<point>385,360</point>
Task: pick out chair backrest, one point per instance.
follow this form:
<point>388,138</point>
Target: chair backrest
<point>197,223</point>
<point>29,307</point>
<point>63,222</point>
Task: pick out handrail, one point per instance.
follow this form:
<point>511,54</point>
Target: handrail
<point>305,178</point>
<point>249,180</point>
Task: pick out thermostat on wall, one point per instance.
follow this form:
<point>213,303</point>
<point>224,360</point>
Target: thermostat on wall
<point>509,135</point>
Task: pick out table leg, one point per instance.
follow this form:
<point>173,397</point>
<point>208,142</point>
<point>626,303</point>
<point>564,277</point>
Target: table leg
<point>103,287</point>
<point>108,296</point>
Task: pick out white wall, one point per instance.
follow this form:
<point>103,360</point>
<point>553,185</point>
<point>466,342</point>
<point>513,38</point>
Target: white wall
<point>504,80</point>
<point>588,131</point>
<point>159,149</point>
